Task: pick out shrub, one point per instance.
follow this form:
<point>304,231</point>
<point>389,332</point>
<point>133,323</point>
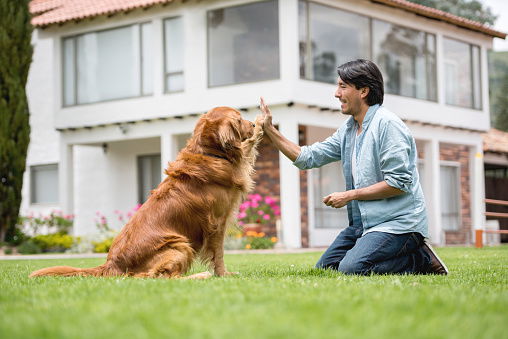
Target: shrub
<point>257,209</point>
<point>56,242</point>
<point>256,241</point>
<point>102,246</point>
<point>56,220</point>
<point>29,247</point>
<point>15,236</point>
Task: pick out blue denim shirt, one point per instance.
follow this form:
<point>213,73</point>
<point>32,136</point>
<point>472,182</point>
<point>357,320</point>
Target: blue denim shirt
<point>385,150</point>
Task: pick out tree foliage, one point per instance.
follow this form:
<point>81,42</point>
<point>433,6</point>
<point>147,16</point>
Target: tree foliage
<point>498,87</point>
<point>501,106</point>
<point>15,58</point>
<point>470,9</point>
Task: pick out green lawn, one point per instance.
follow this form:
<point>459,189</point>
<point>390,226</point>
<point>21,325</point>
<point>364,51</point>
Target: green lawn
<point>276,296</point>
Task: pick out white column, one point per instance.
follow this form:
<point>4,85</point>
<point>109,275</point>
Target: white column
<point>167,151</point>
<point>288,40</point>
<point>290,191</point>
<point>432,180</point>
<point>66,177</point>
<point>477,182</point>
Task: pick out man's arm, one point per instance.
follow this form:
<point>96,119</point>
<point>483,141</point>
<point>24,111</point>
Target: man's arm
<point>380,190</point>
<point>288,148</point>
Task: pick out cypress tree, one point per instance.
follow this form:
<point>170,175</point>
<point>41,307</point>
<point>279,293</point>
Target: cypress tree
<point>501,121</point>
<point>15,58</point>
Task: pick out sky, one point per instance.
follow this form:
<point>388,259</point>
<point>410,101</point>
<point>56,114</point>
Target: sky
<point>500,8</point>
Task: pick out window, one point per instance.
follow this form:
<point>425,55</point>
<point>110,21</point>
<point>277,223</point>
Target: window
<point>44,184</point>
<point>407,59</point>
<point>243,44</point>
<point>329,37</point>
<point>450,197</point>
<point>462,74</point>
<point>173,54</point>
<point>149,175</point>
<point>326,180</point>
<point>107,65</point>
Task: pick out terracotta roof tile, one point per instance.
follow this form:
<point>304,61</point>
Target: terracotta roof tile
<point>48,12</point>
<point>495,141</point>
<point>441,15</point>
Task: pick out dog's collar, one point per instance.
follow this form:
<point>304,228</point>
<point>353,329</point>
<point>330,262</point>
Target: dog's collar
<point>215,156</point>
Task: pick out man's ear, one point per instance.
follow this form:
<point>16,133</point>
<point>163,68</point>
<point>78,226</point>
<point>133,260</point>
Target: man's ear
<point>364,92</point>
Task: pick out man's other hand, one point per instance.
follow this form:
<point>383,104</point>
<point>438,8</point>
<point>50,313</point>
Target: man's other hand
<point>338,199</point>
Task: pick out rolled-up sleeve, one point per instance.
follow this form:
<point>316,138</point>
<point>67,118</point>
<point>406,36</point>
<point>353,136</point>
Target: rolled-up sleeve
<point>319,153</point>
<point>395,148</point>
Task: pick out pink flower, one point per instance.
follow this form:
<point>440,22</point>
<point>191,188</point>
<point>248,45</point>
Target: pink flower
<point>137,207</point>
<point>266,217</point>
<point>255,204</point>
<point>260,212</point>
<point>242,215</point>
<point>240,223</point>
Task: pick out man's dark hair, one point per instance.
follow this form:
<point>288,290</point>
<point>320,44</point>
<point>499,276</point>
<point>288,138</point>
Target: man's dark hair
<point>364,73</point>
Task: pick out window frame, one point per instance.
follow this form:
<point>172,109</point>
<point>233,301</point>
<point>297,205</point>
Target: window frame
<point>308,55</point>
<point>308,61</point>
<point>457,166</point>
<point>166,74</point>
<point>141,199</point>
<point>33,169</point>
<point>471,68</point>
<point>74,38</point>
<point>208,73</point>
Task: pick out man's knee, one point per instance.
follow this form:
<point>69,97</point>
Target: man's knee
<point>324,264</point>
<point>350,267</point>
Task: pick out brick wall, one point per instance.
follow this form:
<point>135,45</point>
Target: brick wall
<point>267,180</point>
<point>267,177</point>
<point>460,154</point>
<point>304,205</point>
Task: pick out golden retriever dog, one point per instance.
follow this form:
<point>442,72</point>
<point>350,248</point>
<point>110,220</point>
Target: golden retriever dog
<point>187,214</point>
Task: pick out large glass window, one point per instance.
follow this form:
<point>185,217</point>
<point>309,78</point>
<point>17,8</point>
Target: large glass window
<point>243,44</point>
<point>328,38</point>
<point>407,59</point>
<point>462,74</point>
<point>450,197</point>
<point>326,180</point>
<point>173,51</point>
<point>44,184</point>
<point>149,175</point>
<point>106,65</point>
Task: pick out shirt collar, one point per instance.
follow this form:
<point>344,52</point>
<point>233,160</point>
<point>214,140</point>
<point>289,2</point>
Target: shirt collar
<point>368,117</point>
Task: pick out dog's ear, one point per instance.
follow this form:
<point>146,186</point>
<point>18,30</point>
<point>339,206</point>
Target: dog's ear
<point>229,136</point>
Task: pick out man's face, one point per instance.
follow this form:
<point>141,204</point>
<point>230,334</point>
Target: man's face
<point>350,97</point>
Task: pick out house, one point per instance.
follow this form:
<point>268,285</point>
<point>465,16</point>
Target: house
<point>116,87</point>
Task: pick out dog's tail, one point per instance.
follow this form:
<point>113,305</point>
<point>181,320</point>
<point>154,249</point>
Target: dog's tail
<point>67,271</point>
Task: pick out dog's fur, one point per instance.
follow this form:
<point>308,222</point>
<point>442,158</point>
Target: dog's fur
<point>187,214</point>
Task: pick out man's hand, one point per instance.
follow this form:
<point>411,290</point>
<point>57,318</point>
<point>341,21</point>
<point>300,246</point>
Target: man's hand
<point>267,114</point>
<point>338,199</point>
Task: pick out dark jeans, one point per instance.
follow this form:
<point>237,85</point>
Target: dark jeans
<point>375,252</point>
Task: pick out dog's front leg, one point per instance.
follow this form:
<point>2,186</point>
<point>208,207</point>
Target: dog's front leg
<point>249,145</point>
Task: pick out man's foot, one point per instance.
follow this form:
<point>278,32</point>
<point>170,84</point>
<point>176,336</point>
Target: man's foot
<point>437,266</point>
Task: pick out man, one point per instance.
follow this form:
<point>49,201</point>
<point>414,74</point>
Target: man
<point>386,208</point>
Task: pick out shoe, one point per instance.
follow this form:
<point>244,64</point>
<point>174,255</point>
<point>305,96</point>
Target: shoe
<point>437,266</point>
